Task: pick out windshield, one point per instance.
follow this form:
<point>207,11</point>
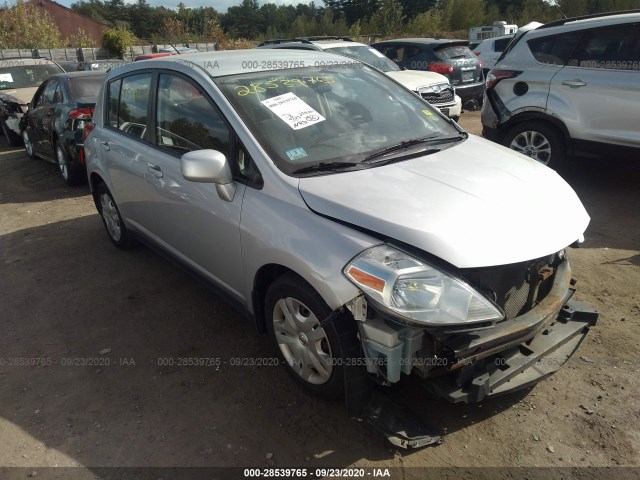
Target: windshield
<point>367,55</point>
<point>24,76</point>
<point>321,115</point>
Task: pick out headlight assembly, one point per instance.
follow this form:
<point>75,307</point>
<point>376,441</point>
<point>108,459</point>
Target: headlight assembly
<point>417,291</point>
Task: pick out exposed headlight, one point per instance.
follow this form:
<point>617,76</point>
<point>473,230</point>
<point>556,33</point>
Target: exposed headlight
<point>434,88</point>
<point>416,290</point>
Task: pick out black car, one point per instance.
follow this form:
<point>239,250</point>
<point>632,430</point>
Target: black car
<point>451,58</point>
<point>52,126</point>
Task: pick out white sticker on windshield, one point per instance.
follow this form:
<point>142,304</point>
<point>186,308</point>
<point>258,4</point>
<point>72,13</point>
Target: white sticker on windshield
<point>376,52</point>
<point>6,77</point>
<point>293,110</point>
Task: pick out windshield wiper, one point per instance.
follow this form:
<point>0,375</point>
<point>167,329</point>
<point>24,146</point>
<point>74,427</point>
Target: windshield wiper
<point>405,144</point>
<point>325,167</point>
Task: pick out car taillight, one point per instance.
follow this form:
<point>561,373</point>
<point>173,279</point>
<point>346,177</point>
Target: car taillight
<point>443,68</point>
<point>477,53</point>
<point>81,113</point>
<point>479,63</point>
<point>495,76</point>
<point>88,128</point>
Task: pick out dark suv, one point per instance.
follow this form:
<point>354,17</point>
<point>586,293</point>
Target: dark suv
<point>451,58</point>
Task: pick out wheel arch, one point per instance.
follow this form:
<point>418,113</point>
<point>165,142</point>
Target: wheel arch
<point>535,116</point>
<point>264,277</point>
<point>94,180</point>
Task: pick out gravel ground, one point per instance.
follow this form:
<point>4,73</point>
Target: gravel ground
<point>66,293</point>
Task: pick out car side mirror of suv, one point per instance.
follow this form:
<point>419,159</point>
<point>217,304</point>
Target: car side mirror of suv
<point>209,166</point>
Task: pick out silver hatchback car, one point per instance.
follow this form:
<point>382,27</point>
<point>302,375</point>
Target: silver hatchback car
<point>371,237</point>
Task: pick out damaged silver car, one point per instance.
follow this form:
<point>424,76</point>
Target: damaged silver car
<point>371,237</point>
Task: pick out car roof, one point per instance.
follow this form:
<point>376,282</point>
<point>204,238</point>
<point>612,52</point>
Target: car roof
<point>424,41</point>
<point>581,23</point>
<point>29,61</point>
<point>89,73</point>
<point>232,62</point>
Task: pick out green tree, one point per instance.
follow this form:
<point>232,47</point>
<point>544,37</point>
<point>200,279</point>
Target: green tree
<point>388,19</point>
<point>428,24</point>
<point>25,25</point>
<point>464,14</point>
<point>117,41</point>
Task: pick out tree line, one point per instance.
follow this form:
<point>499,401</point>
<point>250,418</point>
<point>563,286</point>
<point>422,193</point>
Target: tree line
<point>254,21</point>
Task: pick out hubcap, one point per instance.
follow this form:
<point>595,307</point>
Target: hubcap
<point>27,143</point>
<point>534,145</point>
<point>62,163</point>
<point>302,341</point>
<point>111,217</point>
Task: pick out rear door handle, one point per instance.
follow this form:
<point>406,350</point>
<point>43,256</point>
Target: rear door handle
<point>105,146</point>
<point>155,170</point>
<point>574,83</point>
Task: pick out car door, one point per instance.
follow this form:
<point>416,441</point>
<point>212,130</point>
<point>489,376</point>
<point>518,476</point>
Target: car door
<point>598,88</point>
<point>44,117</point>
<point>190,219</point>
<point>32,127</point>
<point>123,145</point>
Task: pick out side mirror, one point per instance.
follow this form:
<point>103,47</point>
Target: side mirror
<point>209,166</point>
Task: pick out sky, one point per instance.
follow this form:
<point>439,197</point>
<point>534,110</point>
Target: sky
<point>220,5</point>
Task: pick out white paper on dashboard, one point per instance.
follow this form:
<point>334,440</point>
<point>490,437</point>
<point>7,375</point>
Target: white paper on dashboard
<point>293,110</point>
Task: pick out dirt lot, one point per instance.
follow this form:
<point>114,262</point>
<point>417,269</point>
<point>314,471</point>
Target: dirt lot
<point>67,293</point>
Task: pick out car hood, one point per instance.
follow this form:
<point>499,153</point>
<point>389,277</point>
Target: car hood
<point>413,79</point>
<point>21,96</point>
<point>476,204</point>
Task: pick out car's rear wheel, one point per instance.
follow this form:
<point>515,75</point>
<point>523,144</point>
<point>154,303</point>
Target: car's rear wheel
<point>538,141</point>
<point>28,144</point>
<point>310,349</point>
<point>12,138</point>
<point>112,220</point>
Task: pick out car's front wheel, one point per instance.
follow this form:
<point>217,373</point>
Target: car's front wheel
<point>538,141</point>
<point>28,144</point>
<point>310,349</point>
<point>112,220</point>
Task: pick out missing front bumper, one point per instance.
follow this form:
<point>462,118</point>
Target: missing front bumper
<point>522,365</point>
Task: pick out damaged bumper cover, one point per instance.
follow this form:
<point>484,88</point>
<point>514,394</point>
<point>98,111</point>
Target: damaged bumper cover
<point>516,353</point>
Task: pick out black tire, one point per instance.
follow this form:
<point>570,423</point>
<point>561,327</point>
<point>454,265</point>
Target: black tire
<point>12,138</point>
<point>72,176</point>
<point>112,220</point>
<point>291,291</point>
<point>28,144</point>
<point>537,140</point>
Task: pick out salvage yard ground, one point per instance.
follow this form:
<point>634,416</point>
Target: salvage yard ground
<point>66,294</point>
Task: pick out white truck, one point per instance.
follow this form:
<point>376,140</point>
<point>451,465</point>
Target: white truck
<point>478,34</point>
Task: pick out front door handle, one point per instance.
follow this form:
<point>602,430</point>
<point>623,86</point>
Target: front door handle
<point>105,146</point>
<point>155,170</point>
<point>574,83</point>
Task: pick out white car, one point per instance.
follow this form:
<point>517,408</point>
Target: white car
<point>433,87</point>
<point>489,51</point>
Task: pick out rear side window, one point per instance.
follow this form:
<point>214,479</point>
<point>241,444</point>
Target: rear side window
<point>555,49</point>
<point>49,92</point>
<point>501,44</point>
<point>128,104</point>
<point>614,48</point>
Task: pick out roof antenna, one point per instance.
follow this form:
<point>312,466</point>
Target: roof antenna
<point>555,4</point>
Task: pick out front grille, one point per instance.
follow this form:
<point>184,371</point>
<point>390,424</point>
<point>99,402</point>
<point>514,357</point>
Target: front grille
<point>444,96</point>
<point>512,287</point>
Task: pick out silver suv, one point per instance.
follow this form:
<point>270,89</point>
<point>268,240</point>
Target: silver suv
<point>365,232</point>
<point>570,87</point>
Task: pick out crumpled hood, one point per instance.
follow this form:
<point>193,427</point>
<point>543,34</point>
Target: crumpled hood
<point>413,79</point>
<point>475,204</point>
<point>21,96</point>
